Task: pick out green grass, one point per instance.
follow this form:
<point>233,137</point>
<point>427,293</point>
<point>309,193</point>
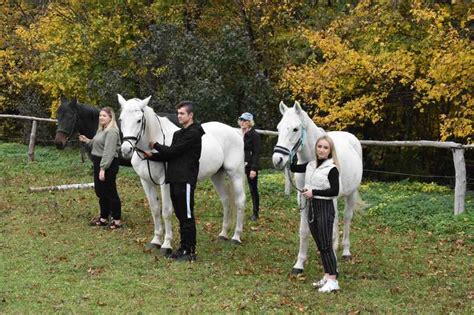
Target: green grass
<point>410,254</point>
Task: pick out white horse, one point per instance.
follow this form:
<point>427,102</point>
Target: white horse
<point>222,153</point>
<point>297,134</point>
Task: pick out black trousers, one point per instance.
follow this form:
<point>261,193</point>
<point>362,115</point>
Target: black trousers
<point>106,190</point>
<point>253,187</point>
<point>182,196</point>
<point>321,219</point>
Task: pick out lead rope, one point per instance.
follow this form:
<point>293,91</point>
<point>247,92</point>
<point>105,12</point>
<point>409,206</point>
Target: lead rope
<point>138,150</point>
<point>148,161</point>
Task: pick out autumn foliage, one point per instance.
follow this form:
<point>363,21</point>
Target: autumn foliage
<point>384,70</point>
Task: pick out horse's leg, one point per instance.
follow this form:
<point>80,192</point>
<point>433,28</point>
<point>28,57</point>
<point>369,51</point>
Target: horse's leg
<point>151,195</point>
<point>304,238</point>
<point>237,181</point>
<point>218,179</point>
<point>348,213</point>
<point>167,213</point>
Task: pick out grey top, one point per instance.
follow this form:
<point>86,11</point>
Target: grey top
<point>105,144</point>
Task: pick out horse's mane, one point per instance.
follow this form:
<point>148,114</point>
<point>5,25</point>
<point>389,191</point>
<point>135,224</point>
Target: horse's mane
<point>151,125</point>
<point>309,122</point>
<point>90,110</point>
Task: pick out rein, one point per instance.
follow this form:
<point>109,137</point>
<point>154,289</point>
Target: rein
<point>71,131</point>
<point>291,154</point>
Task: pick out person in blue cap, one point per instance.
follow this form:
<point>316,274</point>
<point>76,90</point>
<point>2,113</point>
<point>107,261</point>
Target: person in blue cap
<point>252,151</point>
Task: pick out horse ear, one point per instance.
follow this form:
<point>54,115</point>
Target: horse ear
<point>121,100</point>
<point>283,108</point>
<point>298,108</point>
<point>73,103</point>
<point>145,102</point>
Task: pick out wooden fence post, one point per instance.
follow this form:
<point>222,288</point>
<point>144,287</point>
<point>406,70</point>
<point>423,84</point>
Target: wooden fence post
<point>460,187</point>
<point>31,146</point>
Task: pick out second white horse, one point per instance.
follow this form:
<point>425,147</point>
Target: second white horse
<point>222,154</point>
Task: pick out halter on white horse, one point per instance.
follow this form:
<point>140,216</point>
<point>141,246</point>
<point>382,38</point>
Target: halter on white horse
<point>296,127</point>
<point>222,154</point>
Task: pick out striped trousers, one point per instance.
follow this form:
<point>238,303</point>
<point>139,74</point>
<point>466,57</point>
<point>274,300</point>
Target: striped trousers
<point>320,220</point>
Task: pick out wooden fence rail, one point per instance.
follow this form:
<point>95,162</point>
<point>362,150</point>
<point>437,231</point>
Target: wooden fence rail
<point>457,149</point>
<point>34,126</point>
<point>458,159</point>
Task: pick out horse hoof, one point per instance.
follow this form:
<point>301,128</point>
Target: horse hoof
<point>296,271</point>
<point>151,247</point>
<point>222,238</point>
<point>346,257</point>
<point>236,242</point>
<point>166,252</point>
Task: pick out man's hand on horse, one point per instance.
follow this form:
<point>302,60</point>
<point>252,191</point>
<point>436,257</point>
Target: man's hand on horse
<point>151,144</point>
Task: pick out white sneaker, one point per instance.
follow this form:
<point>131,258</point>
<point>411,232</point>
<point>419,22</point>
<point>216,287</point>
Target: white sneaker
<point>330,286</point>
<point>320,283</point>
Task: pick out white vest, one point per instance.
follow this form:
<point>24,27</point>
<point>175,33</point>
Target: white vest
<point>317,177</point>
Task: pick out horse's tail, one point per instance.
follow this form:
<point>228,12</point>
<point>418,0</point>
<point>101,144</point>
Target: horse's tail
<point>359,205</point>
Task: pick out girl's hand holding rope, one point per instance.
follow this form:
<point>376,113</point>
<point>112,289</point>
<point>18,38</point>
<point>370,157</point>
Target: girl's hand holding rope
<point>307,193</point>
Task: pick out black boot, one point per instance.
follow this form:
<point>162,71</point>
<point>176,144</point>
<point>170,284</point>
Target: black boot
<point>254,216</point>
<point>184,255</point>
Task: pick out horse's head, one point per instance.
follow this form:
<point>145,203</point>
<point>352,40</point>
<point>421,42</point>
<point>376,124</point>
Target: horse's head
<point>291,134</point>
<point>132,123</point>
<point>67,122</point>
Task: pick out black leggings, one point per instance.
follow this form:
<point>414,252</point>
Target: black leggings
<point>106,190</point>
<point>253,187</point>
<point>320,220</point>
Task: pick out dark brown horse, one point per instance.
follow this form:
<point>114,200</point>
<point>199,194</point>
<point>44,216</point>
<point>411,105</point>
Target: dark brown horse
<point>74,117</point>
<point>77,118</point>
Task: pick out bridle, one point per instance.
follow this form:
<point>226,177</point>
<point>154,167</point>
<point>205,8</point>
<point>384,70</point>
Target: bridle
<point>139,151</point>
<point>291,153</point>
<point>70,132</point>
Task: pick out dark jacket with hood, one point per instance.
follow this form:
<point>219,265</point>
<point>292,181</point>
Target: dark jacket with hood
<point>182,155</point>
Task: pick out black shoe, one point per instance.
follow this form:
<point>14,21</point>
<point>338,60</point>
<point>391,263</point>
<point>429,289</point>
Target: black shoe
<point>184,255</point>
<point>254,216</point>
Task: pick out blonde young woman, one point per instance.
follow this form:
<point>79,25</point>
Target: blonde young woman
<point>105,146</point>
<point>321,188</point>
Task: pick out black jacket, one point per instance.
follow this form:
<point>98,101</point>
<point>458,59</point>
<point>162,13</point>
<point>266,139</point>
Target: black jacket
<point>252,149</point>
<point>182,156</point>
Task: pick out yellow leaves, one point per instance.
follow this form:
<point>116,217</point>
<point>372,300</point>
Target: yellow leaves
<point>371,59</point>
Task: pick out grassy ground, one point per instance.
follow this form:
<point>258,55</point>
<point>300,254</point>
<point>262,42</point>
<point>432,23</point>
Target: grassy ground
<point>409,253</point>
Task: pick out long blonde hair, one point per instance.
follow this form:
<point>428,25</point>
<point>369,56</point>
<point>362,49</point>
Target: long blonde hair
<point>332,153</point>
<point>112,123</point>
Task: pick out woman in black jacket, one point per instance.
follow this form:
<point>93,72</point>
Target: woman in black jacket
<point>252,151</point>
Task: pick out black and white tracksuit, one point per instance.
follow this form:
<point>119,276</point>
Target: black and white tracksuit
<point>182,172</point>
<point>322,177</point>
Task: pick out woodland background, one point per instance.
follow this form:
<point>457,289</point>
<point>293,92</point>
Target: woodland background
<point>385,70</point>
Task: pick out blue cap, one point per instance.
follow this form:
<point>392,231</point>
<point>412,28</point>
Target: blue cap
<point>246,116</point>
